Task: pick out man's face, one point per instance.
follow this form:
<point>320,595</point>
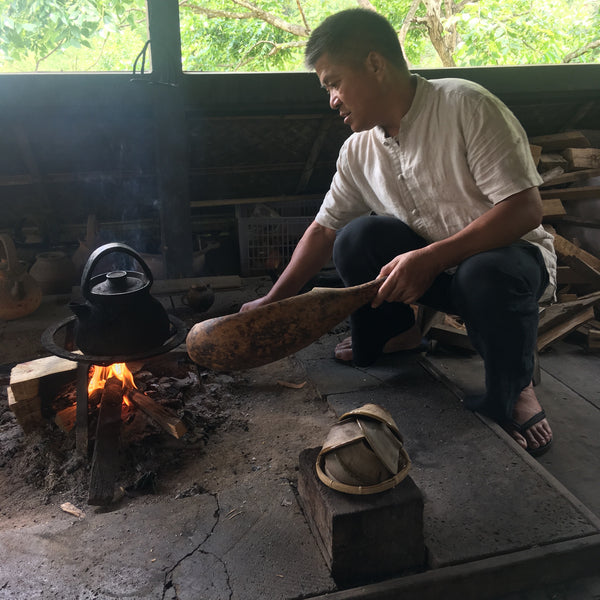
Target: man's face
<point>354,91</point>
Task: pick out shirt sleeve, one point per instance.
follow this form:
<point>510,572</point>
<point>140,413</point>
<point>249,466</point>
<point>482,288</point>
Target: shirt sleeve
<point>498,151</point>
<point>343,202</point>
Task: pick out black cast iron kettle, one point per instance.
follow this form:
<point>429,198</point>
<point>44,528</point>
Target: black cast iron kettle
<point>119,316</point>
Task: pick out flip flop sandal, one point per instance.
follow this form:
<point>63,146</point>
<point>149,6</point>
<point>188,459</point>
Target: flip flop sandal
<point>514,426</point>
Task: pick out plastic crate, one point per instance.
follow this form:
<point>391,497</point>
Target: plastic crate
<point>267,242</point>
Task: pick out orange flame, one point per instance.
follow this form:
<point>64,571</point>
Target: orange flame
<point>101,374</point>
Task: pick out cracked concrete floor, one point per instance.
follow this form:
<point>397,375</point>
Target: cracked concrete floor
<point>223,526</point>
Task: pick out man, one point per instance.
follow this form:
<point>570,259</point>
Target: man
<point>437,192</point>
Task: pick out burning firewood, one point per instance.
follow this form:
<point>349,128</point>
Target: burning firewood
<point>105,461</point>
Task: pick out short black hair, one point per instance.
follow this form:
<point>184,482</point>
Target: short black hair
<point>350,35</point>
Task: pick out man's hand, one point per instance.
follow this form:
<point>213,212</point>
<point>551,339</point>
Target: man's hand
<point>254,304</point>
<point>409,276</point>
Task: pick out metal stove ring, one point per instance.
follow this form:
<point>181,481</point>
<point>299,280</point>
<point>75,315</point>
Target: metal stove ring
<point>177,337</point>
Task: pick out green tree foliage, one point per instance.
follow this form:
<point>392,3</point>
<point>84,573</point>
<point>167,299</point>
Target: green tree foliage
<point>269,35</point>
<point>70,34</point>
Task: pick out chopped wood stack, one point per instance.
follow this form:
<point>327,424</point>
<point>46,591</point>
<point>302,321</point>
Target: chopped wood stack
<point>570,167</point>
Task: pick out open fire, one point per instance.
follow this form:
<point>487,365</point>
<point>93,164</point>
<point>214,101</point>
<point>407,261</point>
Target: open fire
<point>99,376</point>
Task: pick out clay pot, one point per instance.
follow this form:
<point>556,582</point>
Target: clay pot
<point>199,298</point>
<point>20,294</point>
<point>54,271</point>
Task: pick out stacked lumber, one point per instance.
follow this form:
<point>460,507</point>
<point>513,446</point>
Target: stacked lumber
<point>569,165</point>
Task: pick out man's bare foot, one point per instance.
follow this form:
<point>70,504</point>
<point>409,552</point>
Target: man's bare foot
<point>537,435</point>
<point>407,340</point>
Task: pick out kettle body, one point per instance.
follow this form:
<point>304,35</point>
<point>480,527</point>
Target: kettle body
<point>119,317</point>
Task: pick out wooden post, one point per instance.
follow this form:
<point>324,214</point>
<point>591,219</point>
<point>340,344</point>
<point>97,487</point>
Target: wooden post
<point>105,462</point>
<point>172,157</point>
<point>81,415</point>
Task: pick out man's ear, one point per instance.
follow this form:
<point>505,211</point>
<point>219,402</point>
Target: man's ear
<point>375,62</point>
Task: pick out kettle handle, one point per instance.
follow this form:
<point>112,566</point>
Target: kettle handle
<point>102,251</point>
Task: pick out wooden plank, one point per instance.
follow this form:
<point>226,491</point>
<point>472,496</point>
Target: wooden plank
<point>562,329</point>
<point>582,158</point>
<point>168,421</point>
<point>259,200</point>
<point>65,419</point>
<point>552,161</point>
<point>105,461</point>
<point>81,415</point>
<point>176,286</point>
<point>556,314</point>
<point>571,177</point>
<point>559,141</point>
<point>446,334</point>
<point>566,249</point>
<point>553,207</point>
<point>575,193</point>
<point>536,153</point>
<point>25,377</point>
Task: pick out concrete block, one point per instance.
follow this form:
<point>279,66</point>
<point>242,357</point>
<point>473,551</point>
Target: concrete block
<point>363,538</point>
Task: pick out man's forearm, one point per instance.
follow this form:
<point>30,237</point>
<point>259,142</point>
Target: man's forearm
<point>312,252</point>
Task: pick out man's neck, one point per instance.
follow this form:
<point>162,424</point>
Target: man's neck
<point>401,100</point>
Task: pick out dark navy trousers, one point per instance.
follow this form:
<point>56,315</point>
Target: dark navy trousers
<point>495,292</point>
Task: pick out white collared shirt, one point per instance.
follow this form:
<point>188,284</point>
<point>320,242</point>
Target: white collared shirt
<point>459,151</point>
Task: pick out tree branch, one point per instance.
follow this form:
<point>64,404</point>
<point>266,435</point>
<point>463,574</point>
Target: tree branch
<point>215,14</point>
<point>580,51</point>
<point>303,15</point>
<point>407,22</point>
<point>272,19</point>
<point>366,4</point>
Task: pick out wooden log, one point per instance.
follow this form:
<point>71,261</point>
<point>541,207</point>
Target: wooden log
<point>558,320</point>
<point>588,192</point>
<point>34,381</point>
<point>26,378</point>
<point>589,333</point>
<point>105,461</point>
<point>551,179</point>
<point>582,158</point>
<point>559,141</point>
<point>178,286</point>
<point>536,153</point>
<point>552,161</point>
<point>560,330</point>
<point>553,207</point>
<point>584,263</point>
<point>159,414</point>
<point>65,418</point>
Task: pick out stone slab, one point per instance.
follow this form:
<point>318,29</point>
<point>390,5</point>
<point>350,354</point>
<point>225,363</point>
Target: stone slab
<point>574,459</point>
<point>474,483</point>
<point>363,538</point>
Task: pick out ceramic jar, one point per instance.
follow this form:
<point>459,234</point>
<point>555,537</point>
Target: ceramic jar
<point>20,294</point>
<point>54,271</point>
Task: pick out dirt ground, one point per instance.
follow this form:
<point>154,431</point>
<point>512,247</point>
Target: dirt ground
<point>238,423</point>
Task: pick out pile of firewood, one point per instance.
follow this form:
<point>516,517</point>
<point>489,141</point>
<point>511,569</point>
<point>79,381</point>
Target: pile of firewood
<point>568,164</point>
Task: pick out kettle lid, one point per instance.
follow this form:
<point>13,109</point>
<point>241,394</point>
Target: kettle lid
<point>116,283</point>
